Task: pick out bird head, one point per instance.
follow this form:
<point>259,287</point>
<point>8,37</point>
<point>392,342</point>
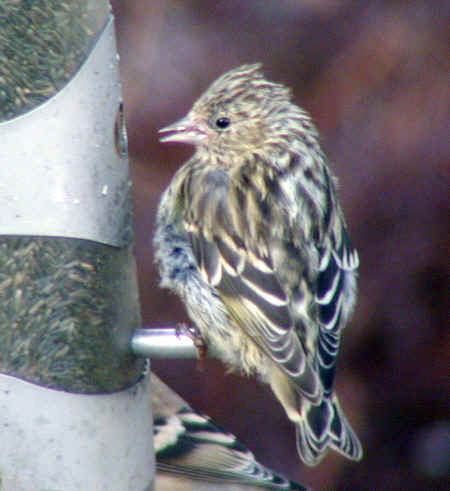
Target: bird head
<point>241,114</point>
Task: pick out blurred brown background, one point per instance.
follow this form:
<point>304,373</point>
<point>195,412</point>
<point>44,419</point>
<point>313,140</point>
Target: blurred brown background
<point>374,76</point>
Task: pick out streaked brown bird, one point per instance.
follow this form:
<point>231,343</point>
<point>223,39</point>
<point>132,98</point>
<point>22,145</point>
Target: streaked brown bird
<point>251,236</point>
<point>190,448</point>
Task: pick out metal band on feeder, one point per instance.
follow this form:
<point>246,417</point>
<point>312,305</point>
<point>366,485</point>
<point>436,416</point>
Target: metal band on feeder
<point>66,178</point>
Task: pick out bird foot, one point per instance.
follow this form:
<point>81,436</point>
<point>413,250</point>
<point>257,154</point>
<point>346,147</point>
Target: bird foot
<point>198,340</point>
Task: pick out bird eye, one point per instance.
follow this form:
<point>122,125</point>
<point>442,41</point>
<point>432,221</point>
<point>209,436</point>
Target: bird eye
<point>223,123</point>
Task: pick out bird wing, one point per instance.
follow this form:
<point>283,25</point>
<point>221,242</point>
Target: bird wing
<point>232,257</point>
<point>191,444</point>
<point>335,296</point>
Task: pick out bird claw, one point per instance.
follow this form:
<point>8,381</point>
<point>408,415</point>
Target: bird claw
<point>199,342</point>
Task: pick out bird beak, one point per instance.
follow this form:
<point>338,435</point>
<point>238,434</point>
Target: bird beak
<point>185,130</point>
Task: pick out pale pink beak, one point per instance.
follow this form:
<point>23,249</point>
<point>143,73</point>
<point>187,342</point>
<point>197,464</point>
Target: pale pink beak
<point>185,130</point>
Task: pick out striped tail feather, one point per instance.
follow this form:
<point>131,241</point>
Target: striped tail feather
<point>322,427</point>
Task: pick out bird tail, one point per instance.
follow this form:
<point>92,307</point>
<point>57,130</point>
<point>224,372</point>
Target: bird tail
<point>324,426</point>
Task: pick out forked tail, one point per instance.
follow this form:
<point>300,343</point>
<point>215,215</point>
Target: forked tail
<point>322,427</point>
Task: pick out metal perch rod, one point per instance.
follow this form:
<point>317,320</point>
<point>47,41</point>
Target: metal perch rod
<point>165,342</point>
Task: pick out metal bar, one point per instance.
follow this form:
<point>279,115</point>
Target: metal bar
<point>165,342</point>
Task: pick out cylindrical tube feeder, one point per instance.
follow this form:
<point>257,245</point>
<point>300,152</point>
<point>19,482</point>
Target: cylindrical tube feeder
<point>68,288</point>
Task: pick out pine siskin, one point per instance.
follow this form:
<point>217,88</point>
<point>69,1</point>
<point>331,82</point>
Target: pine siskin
<point>251,236</point>
<point>189,444</point>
